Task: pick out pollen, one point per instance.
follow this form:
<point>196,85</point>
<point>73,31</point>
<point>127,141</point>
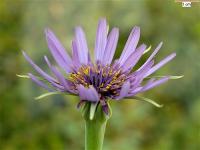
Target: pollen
<point>107,80</point>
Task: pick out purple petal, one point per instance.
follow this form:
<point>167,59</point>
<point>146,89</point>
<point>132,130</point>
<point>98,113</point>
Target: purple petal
<point>150,81</point>
<point>152,55</point>
<point>89,94</point>
<point>81,44</point>
<point>111,46</point>
<point>75,58</point>
<point>134,57</point>
<point>105,109</point>
<point>143,70</point>
<point>101,39</point>
<point>48,62</point>
<point>58,51</point>
<point>124,90</point>
<point>38,69</point>
<point>138,89</point>
<point>130,44</point>
<point>38,82</point>
<point>60,78</point>
<point>55,83</point>
<point>154,84</point>
<point>63,83</point>
<point>149,85</point>
<point>137,77</point>
<point>160,64</point>
<point>135,91</point>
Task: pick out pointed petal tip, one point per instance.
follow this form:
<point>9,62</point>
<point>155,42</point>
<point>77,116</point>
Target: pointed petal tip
<point>102,20</point>
<point>47,61</point>
<point>171,56</point>
<point>49,33</point>
<point>115,29</point>
<point>47,30</point>
<point>135,31</point>
<point>45,57</point>
<point>136,28</point>
<point>161,43</point>
<point>174,54</point>
<point>26,56</point>
<point>24,53</point>
<point>143,45</point>
<point>78,28</point>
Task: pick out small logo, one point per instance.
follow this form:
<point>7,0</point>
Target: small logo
<point>187,3</point>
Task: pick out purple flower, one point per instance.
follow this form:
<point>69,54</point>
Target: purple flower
<point>100,79</point>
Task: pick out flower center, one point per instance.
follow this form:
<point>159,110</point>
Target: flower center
<point>107,80</point>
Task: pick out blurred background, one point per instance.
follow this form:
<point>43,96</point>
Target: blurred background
<point>54,123</point>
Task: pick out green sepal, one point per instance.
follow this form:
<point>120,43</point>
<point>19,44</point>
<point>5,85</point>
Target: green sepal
<point>50,94</point>
<point>146,100</point>
<point>110,110</point>
<point>46,95</point>
<point>94,111</point>
<point>93,108</point>
<point>27,77</point>
<point>170,77</point>
<point>22,76</point>
<point>147,50</point>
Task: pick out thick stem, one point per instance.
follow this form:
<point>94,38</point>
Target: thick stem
<point>95,125</point>
<point>94,134</point>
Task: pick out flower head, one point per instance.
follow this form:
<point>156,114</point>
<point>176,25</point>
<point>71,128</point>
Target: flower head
<point>101,79</point>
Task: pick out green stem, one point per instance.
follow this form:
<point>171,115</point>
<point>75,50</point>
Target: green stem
<point>94,134</point>
<point>95,125</point>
